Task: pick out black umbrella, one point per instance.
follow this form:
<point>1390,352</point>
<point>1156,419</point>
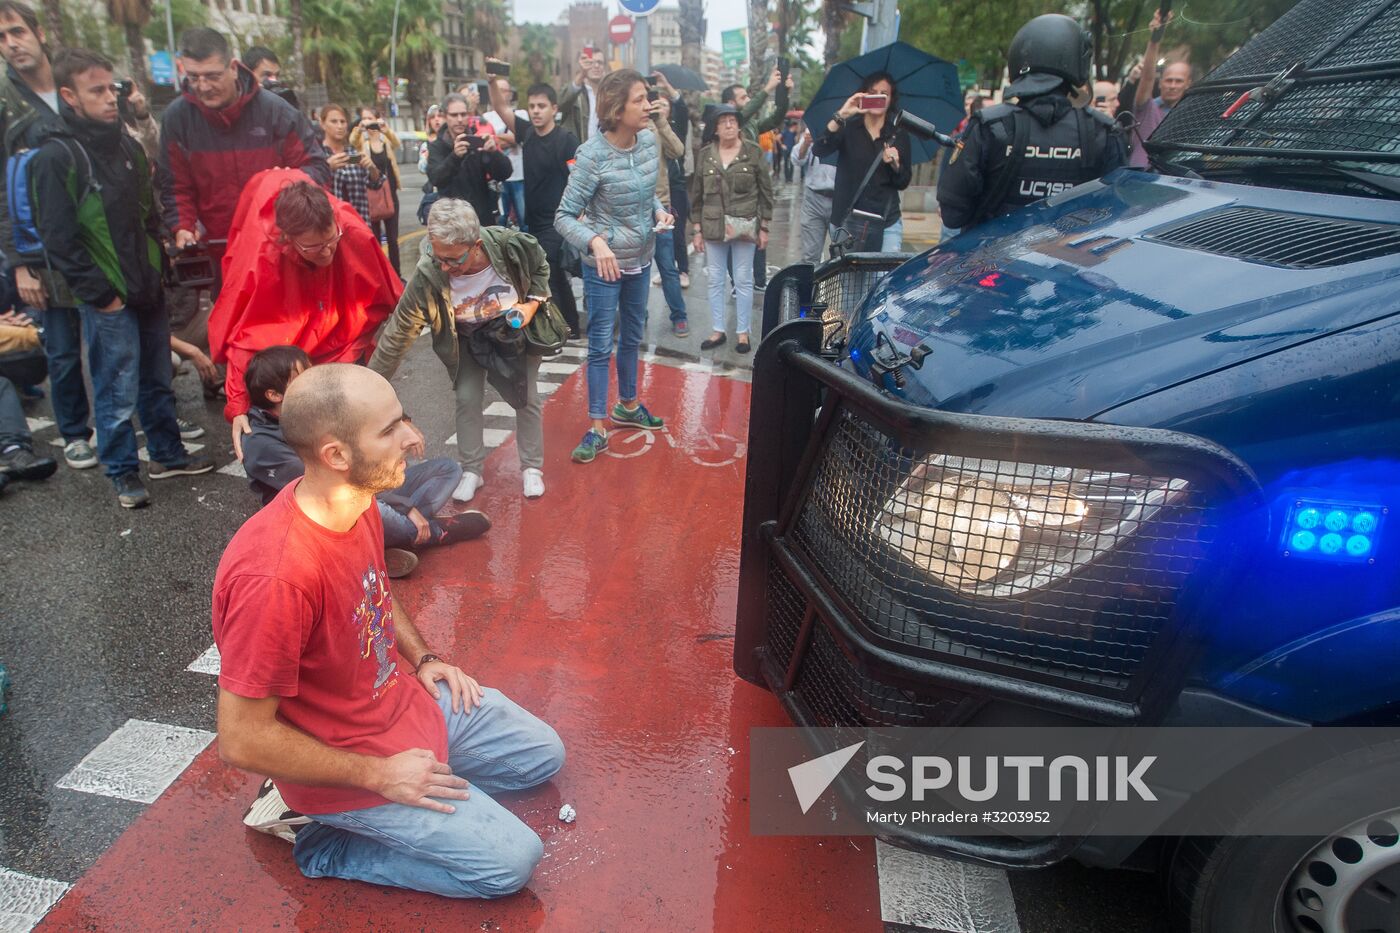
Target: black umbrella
<point>682,78</point>
<point>928,88</point>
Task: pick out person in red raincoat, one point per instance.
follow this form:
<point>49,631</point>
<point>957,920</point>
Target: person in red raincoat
<point>302,269</point>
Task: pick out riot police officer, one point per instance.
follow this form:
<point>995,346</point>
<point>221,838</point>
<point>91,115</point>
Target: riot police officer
<point>1016,153</point>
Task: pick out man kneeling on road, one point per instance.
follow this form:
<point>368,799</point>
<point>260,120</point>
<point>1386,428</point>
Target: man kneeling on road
<point>327,688</point>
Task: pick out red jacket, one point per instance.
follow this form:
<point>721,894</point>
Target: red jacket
<point>272,296</point>
<point>208,156</point>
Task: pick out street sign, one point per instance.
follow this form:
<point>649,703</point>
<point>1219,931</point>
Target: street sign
<point>382,85</point>
<point>620,29</point>
<point>639,7</point>
<point>734,47</point>
<point>163,68</point>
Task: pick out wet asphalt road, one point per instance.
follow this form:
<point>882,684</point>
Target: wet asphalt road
<point>102,609</point>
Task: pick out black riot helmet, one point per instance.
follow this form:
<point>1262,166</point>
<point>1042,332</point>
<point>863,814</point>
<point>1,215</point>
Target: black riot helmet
<point>1048,50</point>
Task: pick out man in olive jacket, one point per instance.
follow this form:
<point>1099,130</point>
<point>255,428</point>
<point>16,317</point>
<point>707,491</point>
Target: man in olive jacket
<point>468,284</point>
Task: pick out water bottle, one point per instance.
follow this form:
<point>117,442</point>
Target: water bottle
<point>515,318</point>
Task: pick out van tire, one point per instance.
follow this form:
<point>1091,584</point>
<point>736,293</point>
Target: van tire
<point>1237,884</point>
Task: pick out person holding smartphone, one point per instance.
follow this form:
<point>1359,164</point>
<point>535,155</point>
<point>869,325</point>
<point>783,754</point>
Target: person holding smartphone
<point>579,103</point>
<point>355,172</point>
<point>462,161</point>
<point>861,133</point>
<point>613,189</point>
<point>374,138</point>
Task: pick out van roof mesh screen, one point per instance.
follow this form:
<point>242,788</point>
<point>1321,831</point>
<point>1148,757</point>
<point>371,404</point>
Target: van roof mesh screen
<point>1343,101</point>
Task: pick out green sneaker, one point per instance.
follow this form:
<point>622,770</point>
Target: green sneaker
<point>588,448</point>
<point>637,417</point>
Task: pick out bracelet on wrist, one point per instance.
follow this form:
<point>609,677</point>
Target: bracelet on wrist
<point>424,660</point>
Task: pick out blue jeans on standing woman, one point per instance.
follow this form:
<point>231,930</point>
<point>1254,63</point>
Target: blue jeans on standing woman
<point>738,254</point>
<point>670,276</point>
<point>604,301</point>
<point>129,355</point>
<point>63,345</point>
<point>481,849</point>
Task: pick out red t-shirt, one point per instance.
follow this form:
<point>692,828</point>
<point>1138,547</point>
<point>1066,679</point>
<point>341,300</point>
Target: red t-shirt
<point>303,613</point>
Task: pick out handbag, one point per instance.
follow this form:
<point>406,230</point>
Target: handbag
<point>381,202</point>
<point>547,330</point>
<point>742,229</point>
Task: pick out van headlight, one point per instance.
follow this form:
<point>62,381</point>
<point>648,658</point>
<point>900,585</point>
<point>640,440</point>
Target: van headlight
<point>1000,528</point>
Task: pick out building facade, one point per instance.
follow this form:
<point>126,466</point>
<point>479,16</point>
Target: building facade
<point>666,36</point>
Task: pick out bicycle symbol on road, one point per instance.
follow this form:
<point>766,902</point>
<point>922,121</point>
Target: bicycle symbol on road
<point>709,450</point>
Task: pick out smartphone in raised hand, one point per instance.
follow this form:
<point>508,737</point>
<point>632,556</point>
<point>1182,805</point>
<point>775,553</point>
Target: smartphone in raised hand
<point>873,101</point>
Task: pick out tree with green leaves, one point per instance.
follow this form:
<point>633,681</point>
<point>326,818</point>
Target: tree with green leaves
<point>536,62</point>
<point>131,16</point>
<point>332,47</point>
<point>417,48</point>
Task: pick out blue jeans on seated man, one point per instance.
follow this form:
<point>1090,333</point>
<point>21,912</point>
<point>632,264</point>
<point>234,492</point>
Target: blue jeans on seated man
<point>426,487</point>
<point>481,849</point>
<point>63,345</point>
<point>129,356</point>
<point>670,276</point>
<point>603,300</point>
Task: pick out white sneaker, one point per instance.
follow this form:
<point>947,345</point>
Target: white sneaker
<point>685,280</point>
<point>467,488</point>
<point>534,483</point>
<point>269,814</point>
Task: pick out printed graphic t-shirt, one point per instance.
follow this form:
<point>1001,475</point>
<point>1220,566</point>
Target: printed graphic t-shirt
<point>481,296</point>
<point>303,613</point>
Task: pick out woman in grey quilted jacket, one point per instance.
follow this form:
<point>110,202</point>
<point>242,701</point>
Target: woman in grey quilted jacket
<point>611,215</point>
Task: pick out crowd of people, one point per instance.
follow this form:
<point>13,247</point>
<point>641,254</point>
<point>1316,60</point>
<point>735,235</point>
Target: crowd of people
<point>311,313</point>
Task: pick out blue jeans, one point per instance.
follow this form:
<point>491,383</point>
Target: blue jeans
<point>894,238</point>
<point>129,355</point>
<point>481,849</point>
<point>603,300</point>
<point>63,345</point>
<point>738,254</point>
<point>680,209</point>
<point>670,276</point>
<point>513,192</point>
<point>426,487</point>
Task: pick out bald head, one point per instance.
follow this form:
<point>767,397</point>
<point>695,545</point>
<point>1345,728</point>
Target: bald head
<point>335,402</point>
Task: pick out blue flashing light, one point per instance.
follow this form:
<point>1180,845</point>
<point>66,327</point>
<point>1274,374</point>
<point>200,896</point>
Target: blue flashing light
<point>1328,530</point>
<point>1358,545</point>
<point>1307,518</point>
<point>855,354</point>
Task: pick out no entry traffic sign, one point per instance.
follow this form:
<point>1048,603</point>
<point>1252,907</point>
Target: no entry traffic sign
<point>620,29</point>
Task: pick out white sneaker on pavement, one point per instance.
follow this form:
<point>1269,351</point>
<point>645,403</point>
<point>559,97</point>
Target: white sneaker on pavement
<point>269,814</point>
<point>533,482</point>
<point>468,486</point>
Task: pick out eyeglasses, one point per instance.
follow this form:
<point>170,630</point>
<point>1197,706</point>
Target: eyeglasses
<point>207,77</point>
<point>453,262</point>
<point>317,248</point>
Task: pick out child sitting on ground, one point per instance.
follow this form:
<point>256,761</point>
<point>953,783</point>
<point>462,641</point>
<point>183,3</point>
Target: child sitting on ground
<point>408,513</point>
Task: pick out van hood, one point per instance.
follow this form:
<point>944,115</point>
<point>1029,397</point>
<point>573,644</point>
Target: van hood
<point>1074,306</point>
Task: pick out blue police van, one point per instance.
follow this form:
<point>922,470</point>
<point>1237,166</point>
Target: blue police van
<point>1130,455</point>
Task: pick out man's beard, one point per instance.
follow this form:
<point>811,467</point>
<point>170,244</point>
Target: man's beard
<point>374,478</point>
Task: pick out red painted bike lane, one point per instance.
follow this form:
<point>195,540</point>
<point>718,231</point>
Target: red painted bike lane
<point>606,608</point>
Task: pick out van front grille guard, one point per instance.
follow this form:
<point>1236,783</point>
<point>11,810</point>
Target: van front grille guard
<point>869,598</point>
<point>832,291</point>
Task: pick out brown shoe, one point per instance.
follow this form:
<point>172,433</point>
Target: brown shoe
<point>400,562</point>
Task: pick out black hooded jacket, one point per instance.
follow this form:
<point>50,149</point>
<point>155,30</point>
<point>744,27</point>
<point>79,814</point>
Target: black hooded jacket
<point>95,212</point>
<point>466,176</point>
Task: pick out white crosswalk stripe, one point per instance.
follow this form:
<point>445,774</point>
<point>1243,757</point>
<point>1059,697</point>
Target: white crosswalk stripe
<point>24,899</point>
<point>138,761</point>
<point>930,893</point>
<point>207,663</point>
